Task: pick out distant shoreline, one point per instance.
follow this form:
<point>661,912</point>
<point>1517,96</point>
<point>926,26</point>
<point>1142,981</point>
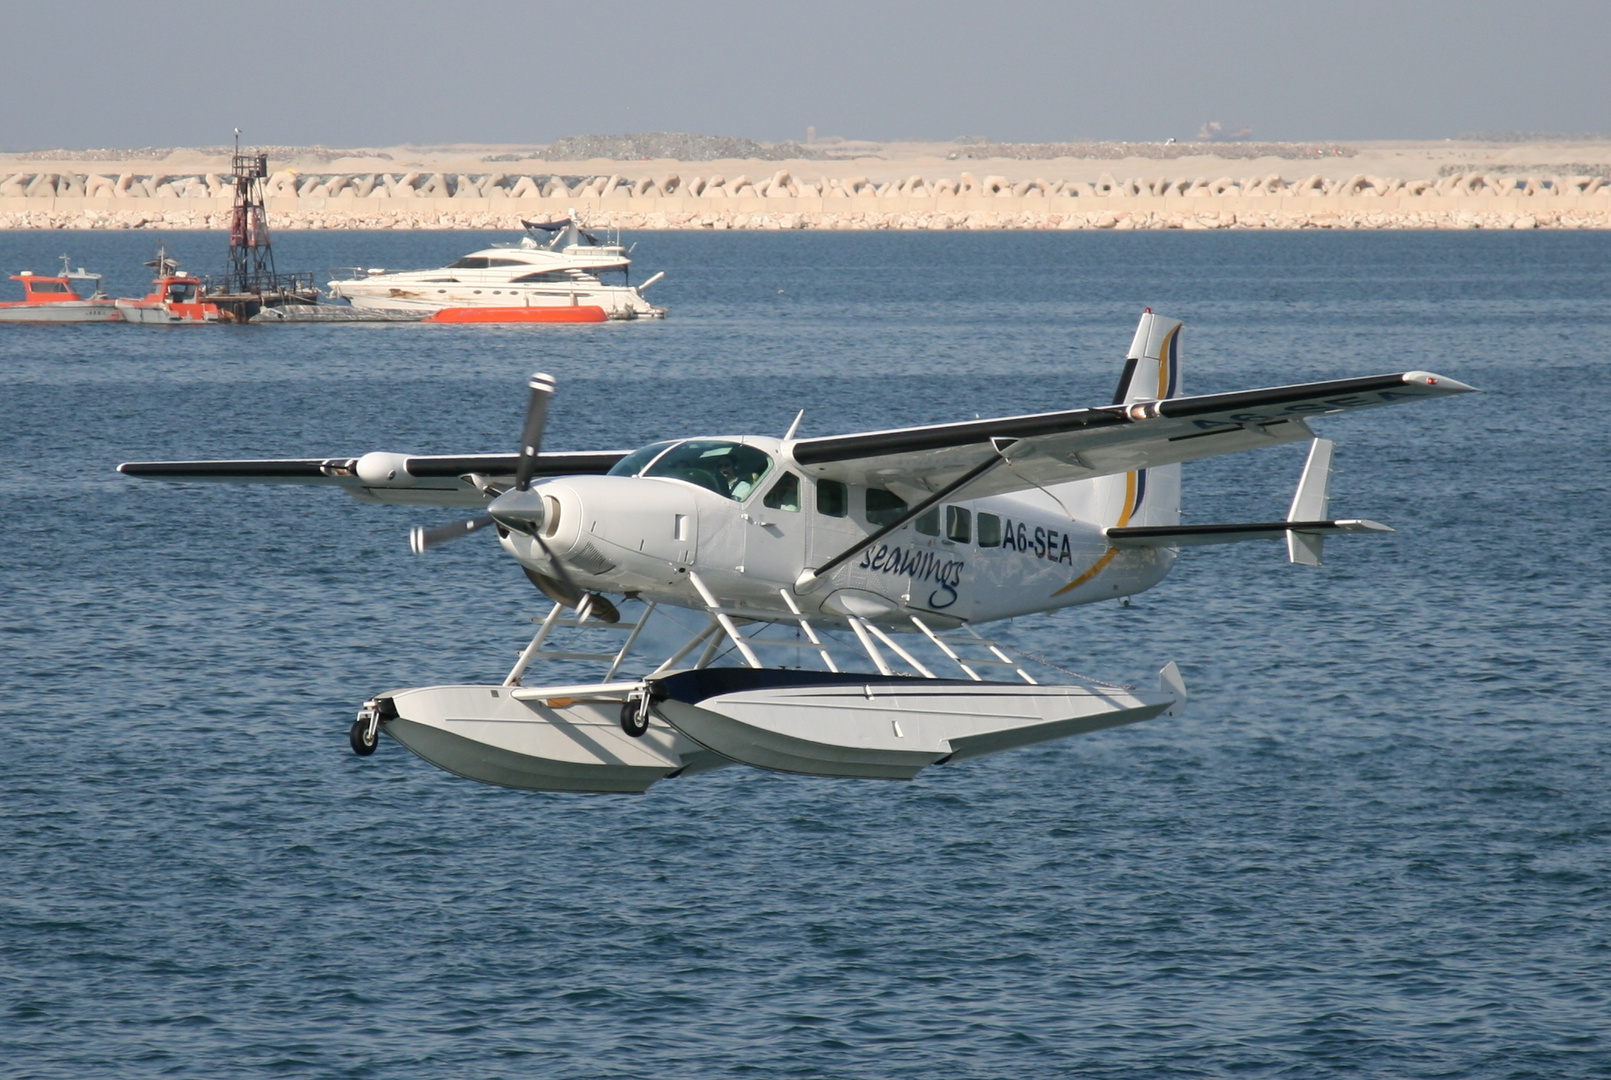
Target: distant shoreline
<point>1445,185</point>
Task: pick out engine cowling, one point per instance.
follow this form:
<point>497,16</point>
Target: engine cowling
<point>619,532</point>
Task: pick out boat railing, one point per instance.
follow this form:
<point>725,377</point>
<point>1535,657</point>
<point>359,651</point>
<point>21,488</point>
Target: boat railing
<point>290,283</point>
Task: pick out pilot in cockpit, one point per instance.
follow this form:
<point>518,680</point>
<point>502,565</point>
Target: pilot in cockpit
<point>738,486</point>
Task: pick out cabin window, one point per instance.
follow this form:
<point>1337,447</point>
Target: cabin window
<point>469,262</point>
<point>884,507</point>
<point>989,530</point>
<point>928,522</point>
<point>47,286</point>
<point>506,262</point>
<point>730,469</point>
<point>785,494</point>
<point>544,276</point>
<point>958,524</point>
<point>833,500</point>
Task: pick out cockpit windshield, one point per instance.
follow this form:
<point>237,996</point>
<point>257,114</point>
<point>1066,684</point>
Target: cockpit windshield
<point>633,463</point>
<point>729,469</point>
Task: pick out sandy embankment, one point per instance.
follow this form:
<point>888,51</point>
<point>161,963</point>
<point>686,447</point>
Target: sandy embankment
<point>847,186</point>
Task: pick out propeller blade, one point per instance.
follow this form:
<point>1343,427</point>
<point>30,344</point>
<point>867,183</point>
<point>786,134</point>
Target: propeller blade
<point>552,588</point>
<point>531,439</point>
<point>600,610</point>
<point>572,593</point>
<point>421,539</point>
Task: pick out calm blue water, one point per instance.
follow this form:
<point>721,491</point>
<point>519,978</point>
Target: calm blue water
<point>1378,843</point>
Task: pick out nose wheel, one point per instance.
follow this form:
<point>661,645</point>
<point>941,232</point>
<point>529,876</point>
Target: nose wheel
<point>364,736</point>
<point>635,715</point>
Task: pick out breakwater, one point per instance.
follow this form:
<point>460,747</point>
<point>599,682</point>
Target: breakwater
<point>782,200</point>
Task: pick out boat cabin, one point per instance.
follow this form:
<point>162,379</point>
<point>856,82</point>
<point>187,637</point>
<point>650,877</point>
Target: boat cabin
<point>38,289</point>
<point>180,288</point>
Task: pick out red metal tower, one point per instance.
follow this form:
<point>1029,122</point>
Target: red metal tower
<point>251,254</point>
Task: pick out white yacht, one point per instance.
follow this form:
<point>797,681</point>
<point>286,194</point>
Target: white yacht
<point>557,264</point>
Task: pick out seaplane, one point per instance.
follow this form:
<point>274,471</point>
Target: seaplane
<point>817,605</point>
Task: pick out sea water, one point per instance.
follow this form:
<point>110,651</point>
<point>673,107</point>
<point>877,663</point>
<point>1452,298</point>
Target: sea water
<point>1376,844</point>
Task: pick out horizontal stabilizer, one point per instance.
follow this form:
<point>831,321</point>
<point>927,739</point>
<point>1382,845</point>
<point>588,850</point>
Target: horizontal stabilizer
<point>1158,536</point>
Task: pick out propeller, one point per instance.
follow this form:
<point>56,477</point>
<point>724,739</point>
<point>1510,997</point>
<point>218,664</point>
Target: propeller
<point>531,438</point>
<point>421,539</point>
<point>519,509</point>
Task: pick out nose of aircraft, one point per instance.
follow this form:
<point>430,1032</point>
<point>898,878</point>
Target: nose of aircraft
<point>520,510</point>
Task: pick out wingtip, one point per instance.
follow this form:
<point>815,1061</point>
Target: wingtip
<point>1441,383</point>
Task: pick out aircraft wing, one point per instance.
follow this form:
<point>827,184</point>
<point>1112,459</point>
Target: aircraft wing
<point>404,479</point>
<point>1056,447</point>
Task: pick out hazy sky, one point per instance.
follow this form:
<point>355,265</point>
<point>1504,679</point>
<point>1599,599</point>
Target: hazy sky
<point>356,73</point>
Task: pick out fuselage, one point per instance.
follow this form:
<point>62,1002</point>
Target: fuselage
<point>741,515</point>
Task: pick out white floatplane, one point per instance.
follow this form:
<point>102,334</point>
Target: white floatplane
<point>860,566</point>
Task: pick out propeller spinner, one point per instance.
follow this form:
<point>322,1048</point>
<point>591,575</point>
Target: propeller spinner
<point>519,509</point>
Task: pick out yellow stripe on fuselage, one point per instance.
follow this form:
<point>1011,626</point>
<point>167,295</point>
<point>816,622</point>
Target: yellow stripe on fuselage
<point>1109,555</point>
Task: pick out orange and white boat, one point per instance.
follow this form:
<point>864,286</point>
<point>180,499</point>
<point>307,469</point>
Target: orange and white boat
<point>175,298</point>
<point>60,299</point>
<point>558,264</point>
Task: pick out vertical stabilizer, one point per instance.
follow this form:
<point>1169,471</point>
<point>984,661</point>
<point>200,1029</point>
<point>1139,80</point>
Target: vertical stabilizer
<point>1151,373</point>
<point>1152,367</point>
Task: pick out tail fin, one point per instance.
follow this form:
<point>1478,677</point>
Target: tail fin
<point>1151,373</point>
<point>1152,367</point>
